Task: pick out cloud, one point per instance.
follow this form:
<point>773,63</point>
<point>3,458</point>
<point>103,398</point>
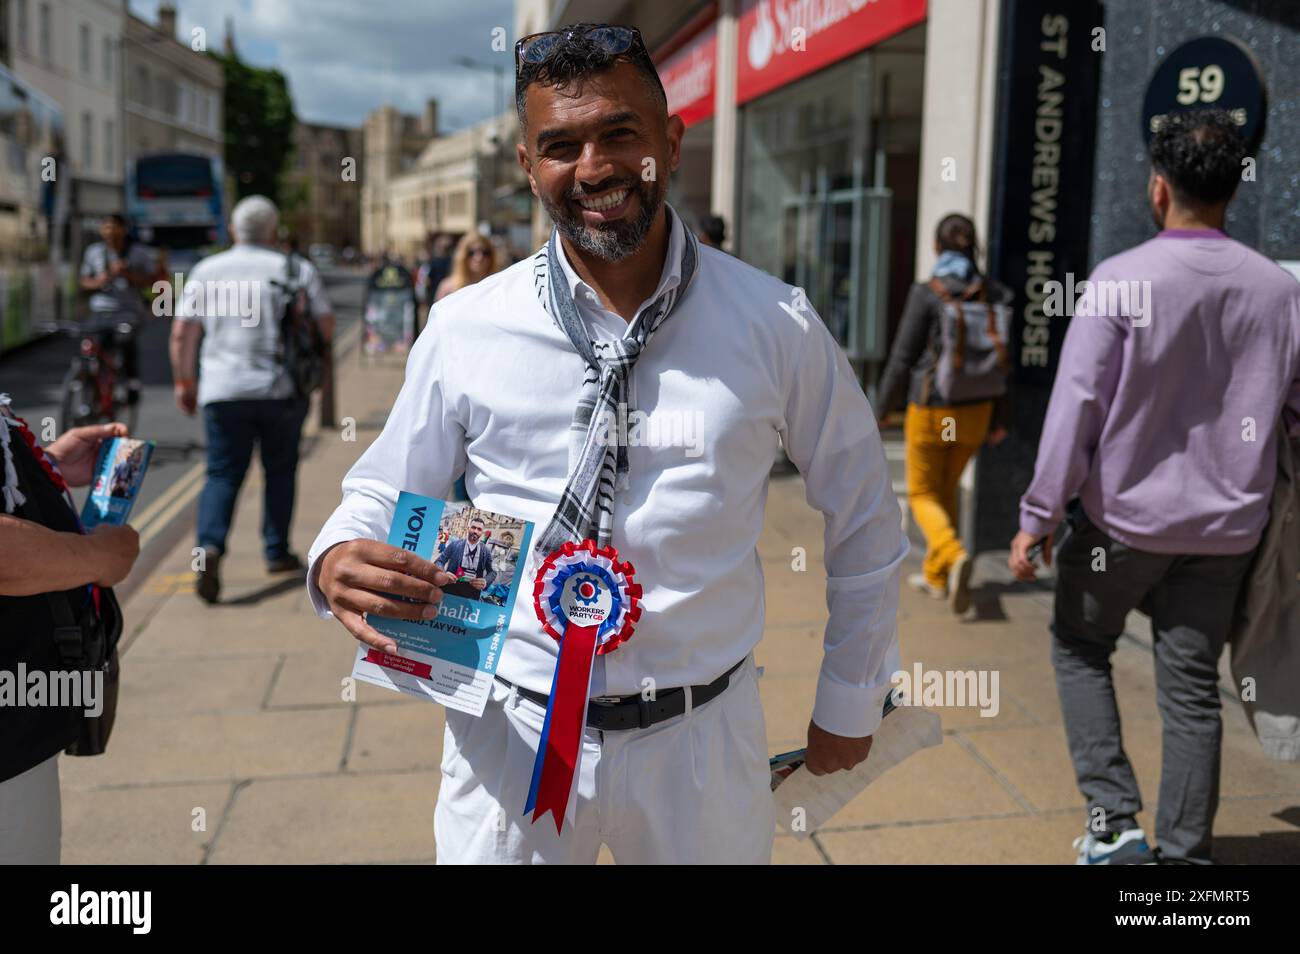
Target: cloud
<point>343,58</point>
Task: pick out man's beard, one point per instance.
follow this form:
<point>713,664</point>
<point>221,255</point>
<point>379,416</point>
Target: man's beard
<point>611,241</point>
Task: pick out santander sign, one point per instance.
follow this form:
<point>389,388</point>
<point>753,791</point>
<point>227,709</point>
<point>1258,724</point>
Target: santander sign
<point>688,76</point>
<point>783,40</point>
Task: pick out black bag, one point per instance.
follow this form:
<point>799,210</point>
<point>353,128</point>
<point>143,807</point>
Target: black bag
<point>87,640</point>
<point>302,347</point>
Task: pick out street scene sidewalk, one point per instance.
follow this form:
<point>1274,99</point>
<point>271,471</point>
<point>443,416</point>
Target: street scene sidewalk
<point>234,742</point>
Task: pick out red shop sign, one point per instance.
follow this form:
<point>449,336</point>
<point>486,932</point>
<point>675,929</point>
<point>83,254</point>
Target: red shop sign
<point>688,75</point>
<point>782,40</point>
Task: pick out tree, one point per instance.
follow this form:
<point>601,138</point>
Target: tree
<point>259,127</point>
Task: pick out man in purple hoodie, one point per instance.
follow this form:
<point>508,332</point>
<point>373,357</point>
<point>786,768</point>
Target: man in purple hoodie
<point>1164,418</point>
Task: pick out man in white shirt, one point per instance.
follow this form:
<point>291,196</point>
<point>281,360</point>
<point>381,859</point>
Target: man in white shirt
<point>736,358</point>
<point>234,301</point>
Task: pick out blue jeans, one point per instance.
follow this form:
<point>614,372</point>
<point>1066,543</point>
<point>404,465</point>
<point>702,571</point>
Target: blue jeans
<point>233,427</point>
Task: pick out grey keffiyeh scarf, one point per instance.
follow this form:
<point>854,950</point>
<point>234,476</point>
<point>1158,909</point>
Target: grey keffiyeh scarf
<point>597,448</point>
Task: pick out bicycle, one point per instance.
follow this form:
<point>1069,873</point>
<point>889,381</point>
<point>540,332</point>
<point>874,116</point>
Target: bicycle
<point>94,390</point>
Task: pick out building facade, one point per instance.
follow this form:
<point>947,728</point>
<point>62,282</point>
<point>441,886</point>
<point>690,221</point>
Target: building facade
<point>391,142</point>
<point>323,186</point>
<point>457,183</point>
<point>173,92</point>
<point>71,51</point>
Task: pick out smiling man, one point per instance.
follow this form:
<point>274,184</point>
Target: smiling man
<point>622,309</point>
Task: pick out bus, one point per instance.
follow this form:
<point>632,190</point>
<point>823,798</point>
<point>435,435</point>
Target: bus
<point>37,282</point>
<point>174,202</point>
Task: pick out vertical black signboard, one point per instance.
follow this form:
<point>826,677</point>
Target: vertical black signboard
<point>1048,76</point>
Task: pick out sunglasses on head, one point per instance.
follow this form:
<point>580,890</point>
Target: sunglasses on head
<point>537,48</point>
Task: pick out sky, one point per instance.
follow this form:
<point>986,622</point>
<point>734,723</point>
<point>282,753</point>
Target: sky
<point>343,58</point>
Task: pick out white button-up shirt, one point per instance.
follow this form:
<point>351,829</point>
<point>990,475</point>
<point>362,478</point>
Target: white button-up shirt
<point>491,386</point>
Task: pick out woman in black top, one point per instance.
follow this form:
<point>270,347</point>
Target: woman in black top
<point>40,555</point>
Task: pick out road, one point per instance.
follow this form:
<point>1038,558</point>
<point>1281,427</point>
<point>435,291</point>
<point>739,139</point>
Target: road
<point>33,377</point>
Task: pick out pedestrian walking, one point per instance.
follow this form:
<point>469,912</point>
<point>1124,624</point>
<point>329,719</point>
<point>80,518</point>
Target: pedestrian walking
<point>955,397</point>
<point>712,231</point>
<point>244,386</point>
<point>623,306</point>
<point>1164,421</point>
<point>435,266</point>
<point>476,258</point>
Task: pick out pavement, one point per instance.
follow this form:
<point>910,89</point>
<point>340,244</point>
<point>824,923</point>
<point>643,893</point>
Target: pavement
<point>234,743</point>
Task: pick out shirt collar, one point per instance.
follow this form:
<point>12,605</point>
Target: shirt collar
<point>671,276</point>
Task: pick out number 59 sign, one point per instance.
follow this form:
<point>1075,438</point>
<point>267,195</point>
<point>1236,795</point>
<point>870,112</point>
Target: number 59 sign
<point>1210,72</point>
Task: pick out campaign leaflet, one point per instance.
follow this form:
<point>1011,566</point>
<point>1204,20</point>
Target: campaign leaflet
<point>453,657</point>
<point>119,471</point>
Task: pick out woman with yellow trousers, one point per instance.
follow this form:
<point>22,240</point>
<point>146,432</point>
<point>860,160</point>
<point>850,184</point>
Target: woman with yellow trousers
<point>951,351</point>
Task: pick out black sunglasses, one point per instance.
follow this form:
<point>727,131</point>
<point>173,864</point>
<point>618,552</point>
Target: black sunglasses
<point>537,48</point>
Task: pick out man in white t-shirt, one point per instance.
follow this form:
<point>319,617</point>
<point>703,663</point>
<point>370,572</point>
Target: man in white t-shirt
<point>234,301</point>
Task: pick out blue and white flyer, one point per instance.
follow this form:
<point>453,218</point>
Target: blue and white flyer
<point>453,657</point>
<point>119,471</point>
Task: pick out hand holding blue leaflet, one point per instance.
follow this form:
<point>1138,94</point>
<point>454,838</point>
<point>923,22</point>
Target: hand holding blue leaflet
<point>452,658</point>
<point>119,472</point>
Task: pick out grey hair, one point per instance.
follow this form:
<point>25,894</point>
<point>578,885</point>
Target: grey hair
<point>254,219</point>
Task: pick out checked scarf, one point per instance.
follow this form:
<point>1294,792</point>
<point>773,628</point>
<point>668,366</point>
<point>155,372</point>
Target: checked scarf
<point>597,448</point>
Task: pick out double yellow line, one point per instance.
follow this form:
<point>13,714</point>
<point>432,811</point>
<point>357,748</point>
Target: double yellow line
<point>159,513</point>
<point>179,495</point>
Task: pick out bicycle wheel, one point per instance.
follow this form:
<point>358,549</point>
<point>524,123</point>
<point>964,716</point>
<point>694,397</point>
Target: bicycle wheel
<point>78,406</point>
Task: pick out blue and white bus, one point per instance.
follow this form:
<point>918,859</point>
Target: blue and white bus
<point>174,201</point>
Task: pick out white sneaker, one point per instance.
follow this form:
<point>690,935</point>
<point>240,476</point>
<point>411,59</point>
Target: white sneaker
<point>917,581</point>
<point>1129,848</point>
<point>959,584</point>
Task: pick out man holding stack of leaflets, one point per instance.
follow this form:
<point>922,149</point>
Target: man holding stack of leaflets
<point>641,545</point>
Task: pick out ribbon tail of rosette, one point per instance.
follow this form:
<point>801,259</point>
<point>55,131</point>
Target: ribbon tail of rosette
<point>559,750</point>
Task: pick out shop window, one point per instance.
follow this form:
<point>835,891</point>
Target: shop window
<point>808,211</point>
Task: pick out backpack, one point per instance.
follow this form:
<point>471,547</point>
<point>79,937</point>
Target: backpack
<point>302,348</point>
<point>973,362</point>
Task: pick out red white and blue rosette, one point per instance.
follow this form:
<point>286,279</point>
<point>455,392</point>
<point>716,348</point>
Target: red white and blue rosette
<point>586,600</point>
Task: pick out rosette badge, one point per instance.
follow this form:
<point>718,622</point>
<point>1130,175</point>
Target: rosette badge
<point>579,585</point>
<point>586,600</point>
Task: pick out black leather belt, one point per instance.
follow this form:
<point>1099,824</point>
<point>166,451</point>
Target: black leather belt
<point>633,712</point>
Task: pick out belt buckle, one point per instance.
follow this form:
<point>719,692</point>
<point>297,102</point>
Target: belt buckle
<point>606,700</point>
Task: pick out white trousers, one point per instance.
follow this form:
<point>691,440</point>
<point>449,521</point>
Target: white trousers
<point>31,822</point>
<point>693,789</point>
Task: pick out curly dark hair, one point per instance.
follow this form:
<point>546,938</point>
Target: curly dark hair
<point>576,57</point>
<point>1200,153</point>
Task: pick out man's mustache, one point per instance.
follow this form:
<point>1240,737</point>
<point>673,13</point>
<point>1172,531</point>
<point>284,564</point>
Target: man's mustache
<point>603,187</point>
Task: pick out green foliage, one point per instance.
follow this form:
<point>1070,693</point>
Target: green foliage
<point>259,127</point>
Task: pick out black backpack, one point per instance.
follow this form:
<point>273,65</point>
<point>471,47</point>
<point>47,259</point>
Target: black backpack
<point>302,348</point>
